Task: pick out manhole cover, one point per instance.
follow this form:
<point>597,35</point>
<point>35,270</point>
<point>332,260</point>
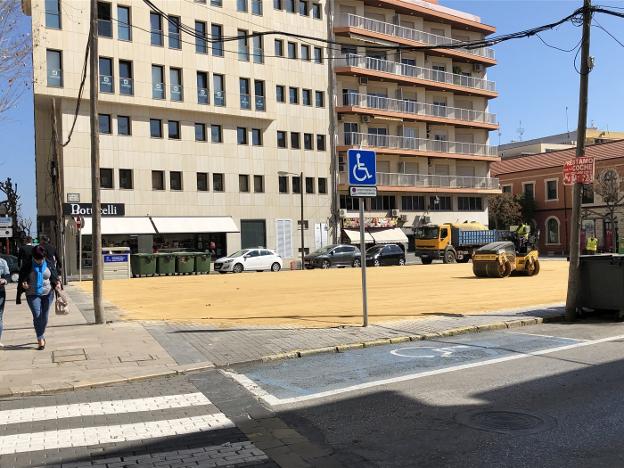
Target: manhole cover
<point>506,422</point>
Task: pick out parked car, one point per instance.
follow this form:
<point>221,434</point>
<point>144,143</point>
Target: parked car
<point>385,254</point>
<point>13,266</point>
<point>333,255</point>
<point>249,260</point>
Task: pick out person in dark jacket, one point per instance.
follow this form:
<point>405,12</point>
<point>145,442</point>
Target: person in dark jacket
<point>39,280</point>
<point>24,255</point>
<point>52,256</point>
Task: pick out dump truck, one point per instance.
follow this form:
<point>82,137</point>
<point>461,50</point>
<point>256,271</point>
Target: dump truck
<point>453,242</point>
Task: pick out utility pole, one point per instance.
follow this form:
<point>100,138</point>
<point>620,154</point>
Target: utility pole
<point>57,181</point>
<point>333,131</point>
<point>96,233</point>
<point>575,222</point>
<point>302,226</point>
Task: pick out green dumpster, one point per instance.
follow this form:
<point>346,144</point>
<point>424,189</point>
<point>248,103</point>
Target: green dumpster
<point>143,264</point>
<point>166,263</point>
<point>185,263</point>
<point>202,262</point>
<point>602,282</point>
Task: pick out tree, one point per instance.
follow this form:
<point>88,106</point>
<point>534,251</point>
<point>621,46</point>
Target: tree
<point>505,210</point>
<point>610,187</point>
<point>15,53</point>
<point>528,207</point>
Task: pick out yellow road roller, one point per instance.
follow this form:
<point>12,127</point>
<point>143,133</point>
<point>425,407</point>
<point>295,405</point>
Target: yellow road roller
<point>502,259</point>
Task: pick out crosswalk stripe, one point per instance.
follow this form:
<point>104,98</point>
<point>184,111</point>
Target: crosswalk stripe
<point>87,436</point>
<point>99,408</point>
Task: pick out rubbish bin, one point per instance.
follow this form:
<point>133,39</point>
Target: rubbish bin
<point>185,263</point>
<point>165,264</point>
<point>602,282</point>
<point>143,264</point>
<point>621,246</point>
<point>202,262</point>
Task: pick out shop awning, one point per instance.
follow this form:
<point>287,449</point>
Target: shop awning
<point>121,225</point>
<point>390,236</point>
<point>194,225</point>
<point>354,236</point>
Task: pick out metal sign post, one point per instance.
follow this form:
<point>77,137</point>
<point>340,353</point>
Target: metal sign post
<point>363,181</point>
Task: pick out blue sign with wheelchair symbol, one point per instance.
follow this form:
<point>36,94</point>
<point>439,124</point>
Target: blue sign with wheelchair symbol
<point>362,167</point>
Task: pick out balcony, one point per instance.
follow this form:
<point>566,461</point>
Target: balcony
<point>418,144</point>
<point>404,106</point>
<point>385,179</point>
<point>401,32</point>
<point>414,72</point>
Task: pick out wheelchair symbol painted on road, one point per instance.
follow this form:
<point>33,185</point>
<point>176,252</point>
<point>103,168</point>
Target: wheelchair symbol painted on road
<point>426,352</point>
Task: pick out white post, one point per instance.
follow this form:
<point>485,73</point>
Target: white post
<point>363,266</point>
<point>80,254</point>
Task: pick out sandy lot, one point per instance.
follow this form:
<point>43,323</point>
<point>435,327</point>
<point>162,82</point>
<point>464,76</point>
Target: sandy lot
<point>318,298</point>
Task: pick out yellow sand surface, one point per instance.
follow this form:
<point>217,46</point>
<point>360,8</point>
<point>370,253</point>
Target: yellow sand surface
<point>323,298</point>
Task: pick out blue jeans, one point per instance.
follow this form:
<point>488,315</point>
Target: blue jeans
<point>2,301</point>
<point>40,306</point>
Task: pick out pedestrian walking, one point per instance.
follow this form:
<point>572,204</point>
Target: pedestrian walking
<point>25,251</point>
<point>4,276</point>
<point>39,280</point>
<point>52,256</point>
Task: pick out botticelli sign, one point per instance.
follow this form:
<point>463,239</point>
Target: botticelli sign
<point>579,171</point>
<point>85,209</point>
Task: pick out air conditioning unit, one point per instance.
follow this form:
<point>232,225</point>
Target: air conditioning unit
<point>342,213</point>
<point>363,80</point>
<point>403,218</point>
<point>365,118</point>
<point>478,67</point>
<point>395,213</point>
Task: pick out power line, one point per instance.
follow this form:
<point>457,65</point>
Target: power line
<point>559,48</point>
<point>611,35</point>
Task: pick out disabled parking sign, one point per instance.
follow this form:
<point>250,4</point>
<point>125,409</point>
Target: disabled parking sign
<point>362,167</point>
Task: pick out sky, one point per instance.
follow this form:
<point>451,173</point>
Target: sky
<point>536,83</point>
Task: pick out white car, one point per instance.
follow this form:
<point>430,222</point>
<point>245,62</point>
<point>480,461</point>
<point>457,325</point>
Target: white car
<point>249,259</point>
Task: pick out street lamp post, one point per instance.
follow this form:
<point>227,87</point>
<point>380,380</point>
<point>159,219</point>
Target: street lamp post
<point>301,220</point>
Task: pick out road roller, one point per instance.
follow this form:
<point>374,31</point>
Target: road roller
<point>502,259</point>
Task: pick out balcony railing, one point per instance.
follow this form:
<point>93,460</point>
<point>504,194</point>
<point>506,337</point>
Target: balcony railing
<point>404,106</point>
<point>245,101</point>
<point>219,98</point>
<point>417,144</point>
<point>55,78</point>
<point>158,91</point>
<point>431,181</point>
<point>177,93</point>
<point>389,29</point>
<point>203,96</point>
<point>126,86</point>
<point>260,103</point>
<point>412,71</point>
<point>106,84</point>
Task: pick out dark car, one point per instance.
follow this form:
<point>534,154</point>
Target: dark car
<point>341,255</point>
<point>385,254</point>
<point>13,266</point>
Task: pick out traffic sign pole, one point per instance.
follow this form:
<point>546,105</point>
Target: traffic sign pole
<point>363,266</point>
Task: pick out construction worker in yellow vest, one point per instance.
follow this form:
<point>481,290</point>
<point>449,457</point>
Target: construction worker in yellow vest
<point>523,231</point>
<point>591,246</point>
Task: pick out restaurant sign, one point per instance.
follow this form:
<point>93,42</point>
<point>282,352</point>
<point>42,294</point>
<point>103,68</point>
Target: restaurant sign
<point>86,209</point>
<point>351,223</point>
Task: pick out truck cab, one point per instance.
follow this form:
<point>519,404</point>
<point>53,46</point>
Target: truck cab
<point>431,240</point>
<point>450,242</point>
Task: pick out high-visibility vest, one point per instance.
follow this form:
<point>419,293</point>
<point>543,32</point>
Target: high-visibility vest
<point>592,244</point>
<point>523,230</point>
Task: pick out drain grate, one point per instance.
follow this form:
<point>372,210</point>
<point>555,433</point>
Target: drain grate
<point>505,422</point>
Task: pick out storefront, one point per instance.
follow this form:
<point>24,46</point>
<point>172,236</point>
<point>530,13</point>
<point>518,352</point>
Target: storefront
<point>376,231</point>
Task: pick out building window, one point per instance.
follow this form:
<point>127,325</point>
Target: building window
<point>53,14</point>
<point>218,182</point>
<point>201,46</point>
<point>104,126</point>
<point>283,184</point>
<point>279,47</point>
<point>245,97</point>
<point>125,179</point>
<point>258,49</point>
<point>277,4</point>
<point>175,84</point>
<point>290,6</point>
<point>105,23</point>
<point>293,94</point>
<point>316,11</point>
<point>158,180</point>
<point>156,128</point>
<point>124,125</point>
<point>348,203</point>
<point>106,178</point>
<point>551,190</point>
<point>256,137</point>
<point>305,53</point>
<point>295,141</point>
<point>306,97</point>
<point>469,203</point>
<point>383,203</point>
<point>319,99</point>
<point>243,46</point>
<point>202,181</point>
<point>241,5</point>
<point>322,185</point>
<point>243,183</point>
<point>413,203</point>
<point>308,143</point>
<point>203,93</point>
<point>552,231</point>
<point>216,134</point>
<point>217,3</point>
<point>54,64</point>
<point>280,93</point>
<point>173,127</point>
<point>106,75</point>
<point>318,55</point>
<point>259,95</point>
<point>528,189</point>
<point>281,139</point>
<point>241,135</point>
<point>588,194</point>
<point>175,180</point>
<point>126,83</point>
<point>507,189</point>
<point>200,132</point>
<point>309,182</point>
<point>296,184</point>
<point>320,142</point>
<point>174,32</point>
<point>292,50</point>
<point>124,23</point>
<point>156,32</point>
<point>216,31</point>
<point>304,8</point>
<point>258,181</point>
<point>158,82</point>
<point>437,203</point>
<point>218,85</point>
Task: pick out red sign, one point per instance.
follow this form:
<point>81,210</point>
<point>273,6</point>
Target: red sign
<point>80,221</point>
<point>578,171</point>
<point>350,223</point>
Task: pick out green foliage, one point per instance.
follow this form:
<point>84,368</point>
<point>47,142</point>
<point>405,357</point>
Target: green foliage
<point>504,210</point>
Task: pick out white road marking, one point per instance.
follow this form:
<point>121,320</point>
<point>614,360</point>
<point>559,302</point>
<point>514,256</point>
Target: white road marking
<point>87,436</point>
<point>99,408</point>
<point>547,336</point>
<point>272,400</point>
<point>446,351</point>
